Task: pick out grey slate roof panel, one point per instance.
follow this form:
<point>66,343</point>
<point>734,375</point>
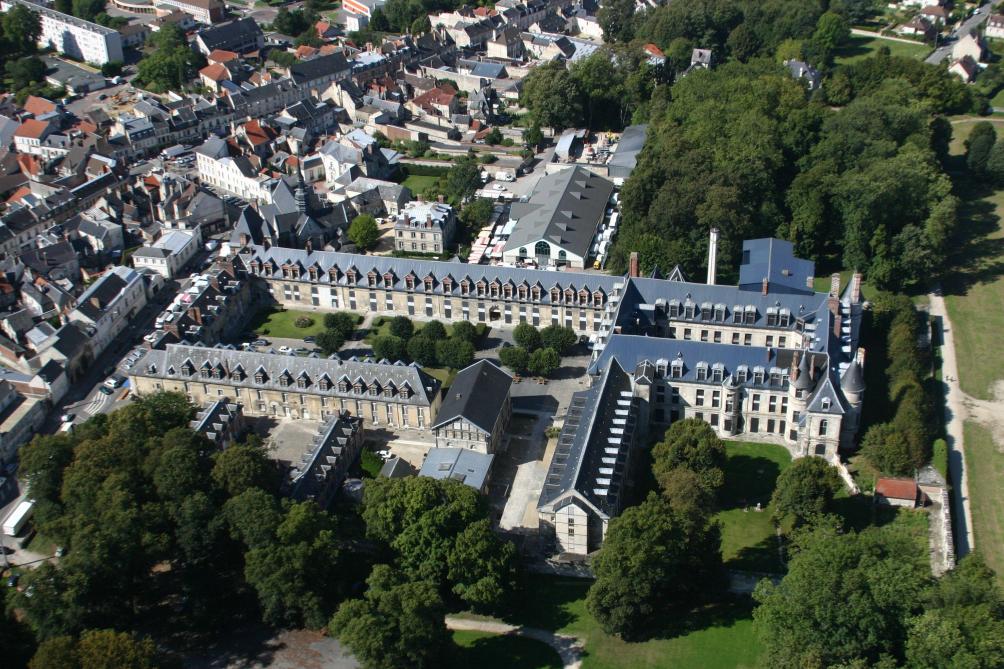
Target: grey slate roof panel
<point>476,395</point>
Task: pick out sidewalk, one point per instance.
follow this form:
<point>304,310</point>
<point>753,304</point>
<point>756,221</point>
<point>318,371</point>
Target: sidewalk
<point>955,415</point>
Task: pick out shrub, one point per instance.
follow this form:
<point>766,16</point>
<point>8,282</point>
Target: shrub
<point>433,330</point>
<point>401,326</point>
<point>515,358</point>
<point>455,352</point>
<point>390,347</point>
<point>422,350</point>
<point>544,361</point>
<point>527,336</point>
<point>303,322</point>
<point>465,330</point>
<point>341,322</point>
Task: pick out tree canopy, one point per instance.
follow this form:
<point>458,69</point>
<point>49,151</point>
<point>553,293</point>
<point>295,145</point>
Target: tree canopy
<point>363,232</point>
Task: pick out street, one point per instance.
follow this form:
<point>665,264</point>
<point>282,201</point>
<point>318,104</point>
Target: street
<point>969,25</point>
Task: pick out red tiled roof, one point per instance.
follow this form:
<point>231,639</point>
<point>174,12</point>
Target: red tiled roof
<point>221,56</point>
<point>215,72</point>
<point>37,106</point>
<point>654,50</point>
<point>19,193</point>
<point>305,51</point>
<point>258,134</point>
<point>896,488</point>
<point>32,128</point>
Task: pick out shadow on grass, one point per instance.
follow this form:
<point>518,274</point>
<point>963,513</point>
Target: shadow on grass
<point>676,622</point>
<point>502,652</point>
<point>761,557</point>
<point>550,603</point>
<point>977,258</point>
<point>749,479</point>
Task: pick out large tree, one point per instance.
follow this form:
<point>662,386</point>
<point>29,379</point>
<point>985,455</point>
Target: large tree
<point>616,18</point>
<point>692,444</point>
<point>651,560</point>
<point>364,232</point>
<point>846,598</point>
<point>396,624</point>
<point>22,28</point>
<point>553,97</point>
<point>806,489</point>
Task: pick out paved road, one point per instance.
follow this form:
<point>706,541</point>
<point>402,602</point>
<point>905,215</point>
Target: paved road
<point>569,648</point>
<point>955,414</point>
<point>963,29</point>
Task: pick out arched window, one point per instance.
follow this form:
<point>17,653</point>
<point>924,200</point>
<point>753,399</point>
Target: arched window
<point>824,425</point>
<point>522,252</point>
<point>542,249</point>
<point>562,255</point>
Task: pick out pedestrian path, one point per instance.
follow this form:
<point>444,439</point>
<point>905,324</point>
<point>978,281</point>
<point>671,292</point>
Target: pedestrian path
<point>569,648</point>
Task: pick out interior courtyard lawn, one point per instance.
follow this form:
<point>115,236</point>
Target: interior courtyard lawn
<point>985,466</point>
<point>859,47</point>
<point>274,322</point>
<point>717,636</point>
<point>418,184</point>
<point>749,539</point>
<point>484,650</point>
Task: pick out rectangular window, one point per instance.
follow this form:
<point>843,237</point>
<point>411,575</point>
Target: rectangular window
<point>714,420</point>
<point>699,398</point>
<point>748,340</point>
<point>687,334</point>
<point>716,398</point>
<point>718,336</point>
<point>772,404</point>
<point>754,424</point>
<point>704,335</point>
<point>756,402</point>
<point>770,341</point>
<point>770,425</point>
<point>735,338</point>
<point>781,341</point>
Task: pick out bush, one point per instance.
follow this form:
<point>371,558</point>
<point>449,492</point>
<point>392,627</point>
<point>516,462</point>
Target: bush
<point>465,330</point>
<point>330,341</point>
<point>527,336</point>
<point>401,326</point>
<point>433,330</point>
<point>422,350</point>
<point>559,337</point>
<point>389,347</point>
<point>303,322</point>
<point>455,352</point>
<point>515,358</point>
<point>341,322</point>
<point>544,361</point>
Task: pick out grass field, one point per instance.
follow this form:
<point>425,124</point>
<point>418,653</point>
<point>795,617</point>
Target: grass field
<point>484,650</point>
<point>749,541</point>
<point>417,183</point>
<point>860,46</point>
<point>985,465</point>
<point>718,636</point>
<point>280,323</point>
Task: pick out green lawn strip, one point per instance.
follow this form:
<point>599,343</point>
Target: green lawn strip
<point>485,650</point>
<point>749,540</point>
<point>280,323</point>
<point>370,463</point>
<point>716,636</point>
<point>418,183</point>
<point>985,467</point>
<point>444,374</point>
<point>859,47</point>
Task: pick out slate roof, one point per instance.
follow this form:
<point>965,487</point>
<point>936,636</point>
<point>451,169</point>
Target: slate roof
<point>564,209</point>
<point>625,157</point>
<point>304,72</point>
<point>459,464</point>
<point>477,395</point>
<point>229,34</point>
<point>175,358</point>
<point>590,457</point>
<point>95,300</point>
<point>774,259</point>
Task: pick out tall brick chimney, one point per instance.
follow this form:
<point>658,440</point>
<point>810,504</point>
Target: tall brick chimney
<point>633,265</point>
<point>835,284</point>
<point>764,286</point>
<point>837,322</point>
<point>855,287</point>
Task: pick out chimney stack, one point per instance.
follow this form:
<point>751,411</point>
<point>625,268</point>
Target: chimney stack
<point>793,372</point>
<point>833,304</point>
<point>835,284</point>
<point>195,314</point>
<point>712,256</point>
<point>855,287</point>
<point>633,265</point>
<point>859,356</point>
<point>837,322</point>
<point>764,286</point>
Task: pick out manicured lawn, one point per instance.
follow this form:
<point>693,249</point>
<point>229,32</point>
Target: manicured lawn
<point>483,650</point>
<point>985,466</point>
<point>444,374</point>
<point>280,323</point>
<point>861,46</point>
<point>749,540</point>
<point>381,326</point>
<point>718,636</point>
<point>370,463</point>
<point>417,184</point>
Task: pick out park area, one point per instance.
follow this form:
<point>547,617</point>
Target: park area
<point>485,650</point>
<point>282,323</point>
<point>859,47</point>
<point>974,296</point>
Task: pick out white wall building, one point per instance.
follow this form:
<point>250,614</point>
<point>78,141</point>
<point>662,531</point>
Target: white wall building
<point>169,254</point>
<point>74,37</point>
<point>106,308</point>
<point>232,174</point>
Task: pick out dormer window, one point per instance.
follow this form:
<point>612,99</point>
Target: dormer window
<point>388,280</point>
<point>351,276</point>
<point>324,383</point>
<point>706,311</point>
<point>333,274</point>
<point>749,315</point>
<point>405,391</point>
<point>597,299</point>
<point>187,368</point>
<point>285,380</point>
<point>374,390</point>
<point>371,278</point>
<point>720,313</point>
<point>569,296</point>
<point>343,386</point>
<point>218,372</point>
<point>388,391</point>
<point>428,284</point>
<point>481,288</point>
<point>555,295</point>
<point>702,371</point>
<point>826,404</point>
<point>302,381</point>
<point>447,285</point>
<point>535,293</point>
<point>771,317</point>
<point>313,273</point>
<point>521,291</point>
<point>507,291</point>
<point>465,287</point>
<point>688,310</point>
<point>358,388</point>
<point>409,282</point>
<point>784,318</point>
<point>742,374</point>
<point>206,372</point>
<point>676,369</point>
<point>237,374</point>
<point>718,372</point>
<point>737,313</point>
<point>775,377</point>
<point>758,375</point>
<point>259,377</point>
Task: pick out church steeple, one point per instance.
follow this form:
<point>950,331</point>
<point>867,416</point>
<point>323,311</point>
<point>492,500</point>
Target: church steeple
<point>301,187</point>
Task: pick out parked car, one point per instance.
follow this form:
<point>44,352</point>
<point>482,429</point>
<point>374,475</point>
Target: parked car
<point>285,349</point>
<point>67,418</point>
<point>260,342</point>
<point>301,351</point>
<point>309,339</point>
<point>105,390</point>
<point>113,382</point>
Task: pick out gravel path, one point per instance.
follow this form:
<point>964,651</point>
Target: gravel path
<point>569,648</point>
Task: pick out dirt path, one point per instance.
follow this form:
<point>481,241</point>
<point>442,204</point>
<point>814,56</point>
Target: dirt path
<point>569,648</point>
<point>956,412</point>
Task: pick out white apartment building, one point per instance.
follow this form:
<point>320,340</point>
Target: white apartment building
<point>233,174</point>
<point>74,37</point>
<point>106,308</point>
<point>169,254</point>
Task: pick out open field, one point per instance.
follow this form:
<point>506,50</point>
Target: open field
<point>985,464</point>
<point>485,650</point>
<point>280,323</point>
<point>749,541</point>
<point>417,183</point>
<point>861,46</point>
<point>717,636</point>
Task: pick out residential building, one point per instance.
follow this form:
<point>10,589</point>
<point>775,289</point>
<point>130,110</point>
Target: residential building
<point>935,14</point>
<point>424,227</point>
<point>169,254</point>
<point>220,422</point>
<point>213,308</point>
<point>584,486</point>
<point>807,73</point>
<point>29,136</point>
<point>917,26</point>
<point>203,11</point>
<point>20,419</point>
<point>893,491</point>
<point>308,388</point>
<point>362,7</point>
<point>476,409</point>
<point>106,308</point>
<point>377,197</point>
<point>324,467</point>
<point>995,26</point>
<point>968,46</point>
<point>241,36</point>
<point>457,464</point>
<point>625,156</point>
<point>74,37</point>
<point>557,225</point>
<point>222,166</point>
<point>965,68</point>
